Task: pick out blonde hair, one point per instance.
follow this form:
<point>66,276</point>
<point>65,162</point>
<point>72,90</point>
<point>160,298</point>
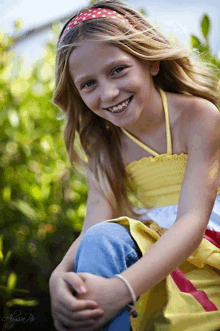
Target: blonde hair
<point>181,71</point>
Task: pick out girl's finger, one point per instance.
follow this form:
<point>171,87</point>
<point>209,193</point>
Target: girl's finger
<point>72,304</point>
<point>84,315</point>
<point>75,281</point>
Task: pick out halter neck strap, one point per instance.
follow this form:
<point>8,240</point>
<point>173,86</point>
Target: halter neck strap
<point>168,132</point>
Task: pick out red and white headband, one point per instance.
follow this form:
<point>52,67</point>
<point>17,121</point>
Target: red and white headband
<point>91,14</point>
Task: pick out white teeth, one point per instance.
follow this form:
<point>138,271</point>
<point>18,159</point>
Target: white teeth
<point>119,107</point>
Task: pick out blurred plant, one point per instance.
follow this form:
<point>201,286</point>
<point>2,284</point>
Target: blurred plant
<point>18,25</point>
<point>205,27</point>
<point>8,282</point>
<point>203,46</point>
<point>42,199</point>
<point>142,11</point>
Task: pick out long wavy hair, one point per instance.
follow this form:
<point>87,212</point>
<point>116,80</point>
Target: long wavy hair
<point>91,140</point>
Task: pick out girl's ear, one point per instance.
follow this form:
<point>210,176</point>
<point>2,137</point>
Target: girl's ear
<point>154,67</point>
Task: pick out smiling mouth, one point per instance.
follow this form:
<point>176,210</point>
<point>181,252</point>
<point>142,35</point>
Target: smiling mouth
<point>121,107</point>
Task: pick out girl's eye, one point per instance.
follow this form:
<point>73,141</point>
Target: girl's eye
<point>91,83</point>
<point>119,69</point>
<point>88,84</point>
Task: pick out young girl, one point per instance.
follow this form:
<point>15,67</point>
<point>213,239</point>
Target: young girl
<point>145,113</point>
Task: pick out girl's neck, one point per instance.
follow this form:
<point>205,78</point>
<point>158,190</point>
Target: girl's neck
<point>151,118</point>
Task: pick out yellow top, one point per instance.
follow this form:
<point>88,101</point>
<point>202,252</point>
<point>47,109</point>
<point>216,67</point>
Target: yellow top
<point>158,178</point>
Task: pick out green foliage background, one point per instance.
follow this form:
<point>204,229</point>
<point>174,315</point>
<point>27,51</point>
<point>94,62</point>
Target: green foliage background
<point>42,199</point>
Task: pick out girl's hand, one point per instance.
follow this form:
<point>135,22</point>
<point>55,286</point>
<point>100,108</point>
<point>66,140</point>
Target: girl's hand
<point>112,295</point>
<point>68,312</point>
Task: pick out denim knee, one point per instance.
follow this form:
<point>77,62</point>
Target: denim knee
<point>110,231</point>
<point>107,248</point>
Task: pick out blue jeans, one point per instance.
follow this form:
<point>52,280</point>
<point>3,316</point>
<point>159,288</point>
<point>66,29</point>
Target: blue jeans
<point>105,250</point>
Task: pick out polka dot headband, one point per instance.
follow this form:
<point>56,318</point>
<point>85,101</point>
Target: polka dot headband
<point>91,14</point>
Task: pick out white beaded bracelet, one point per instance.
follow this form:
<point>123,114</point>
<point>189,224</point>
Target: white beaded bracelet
<point>133,312</point>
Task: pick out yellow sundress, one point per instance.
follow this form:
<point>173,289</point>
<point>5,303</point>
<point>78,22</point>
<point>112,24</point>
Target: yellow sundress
<point>189,298</point>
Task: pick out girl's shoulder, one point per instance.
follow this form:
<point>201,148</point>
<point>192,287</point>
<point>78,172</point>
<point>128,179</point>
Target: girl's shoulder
<point>191,105</point>
<point>192,109</point>
<point>192,113</point>
<point>186,107</point>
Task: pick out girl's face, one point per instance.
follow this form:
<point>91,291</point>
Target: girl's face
<point>112,83</point>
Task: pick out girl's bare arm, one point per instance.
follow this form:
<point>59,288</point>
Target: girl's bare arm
<point>98,209</point>
<point>65,306</point>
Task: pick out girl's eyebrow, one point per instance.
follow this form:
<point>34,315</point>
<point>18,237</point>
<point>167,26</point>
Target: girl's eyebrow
<point>110,64</point>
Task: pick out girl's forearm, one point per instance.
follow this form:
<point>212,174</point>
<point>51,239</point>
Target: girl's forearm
<point>168,253</point>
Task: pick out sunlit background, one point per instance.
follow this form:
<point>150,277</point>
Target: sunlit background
<point>180,18</point>
<point>42,197</point>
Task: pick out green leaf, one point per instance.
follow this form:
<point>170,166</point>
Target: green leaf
<point>56,27</point>
<point>18,24</point>
<point>12,280</point>
<point>26,209</point>
<point>6,194</point>
<point>195,42</point>
<point>22,302</point>
<point>22,291</point>
<point>142,11</point>
<point>81,210</point>
<point>1,242</point>
<point>1,256</point>
<point>7,257</point>
<point>36,192</point>
<point>13,117</point>
<point>205,25</point>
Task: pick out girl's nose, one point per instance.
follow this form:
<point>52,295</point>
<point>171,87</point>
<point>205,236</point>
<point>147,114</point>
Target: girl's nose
<point>108,91</point>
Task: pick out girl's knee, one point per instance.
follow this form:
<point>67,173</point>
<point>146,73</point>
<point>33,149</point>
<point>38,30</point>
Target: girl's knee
<point>106,230</point>
<point>98,244</point>
<point>109,236</point>
<point>106,246</point>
